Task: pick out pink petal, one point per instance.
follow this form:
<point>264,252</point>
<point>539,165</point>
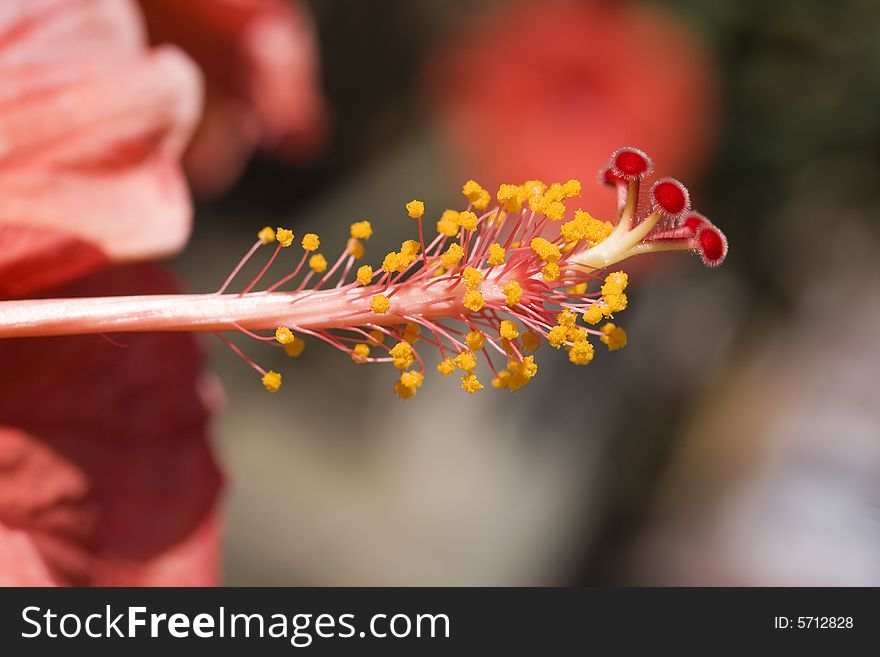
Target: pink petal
<point>107,470</point>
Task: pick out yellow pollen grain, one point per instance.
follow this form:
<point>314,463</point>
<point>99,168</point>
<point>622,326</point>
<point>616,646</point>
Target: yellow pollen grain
<point>356,249</point>
<point>470,383</point>
<point>402,355</point>
<point>415,209</point>
<point>295,348</point>
<point>593,314</point>
<point>508,330</point>
<point>380,304</point>
<point>472,278</point>
<point>448,223</point>
<point>402,391</point>
<point>412,379</point>
<point>466,361</point>
<point>284,237</point>
<point>468,220</point>
<point>365,275</point>
<point>557,336</point>
<point>475,340</point>
<point>360,352</point>
<point>266,235</point>
<point>473,301</point>
<point>318,263</point>
<point>530,340</point>
<point>410,248</point>
<point>311,242</point>
<point>361,230</point>
<point>391,262</point>
<point>614,338</point>
<point>496,254</point>
<point>545,249</point>
<point>284,335</point>
<point>453,254</point>
<point>550,272</point>
<point>581,352</point>
<point>512,293</point>
<point>272,381</point>
<point>509,197</point>
<point>446,367</point>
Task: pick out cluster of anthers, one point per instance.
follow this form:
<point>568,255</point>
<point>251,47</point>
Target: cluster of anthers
<point>496,282</point>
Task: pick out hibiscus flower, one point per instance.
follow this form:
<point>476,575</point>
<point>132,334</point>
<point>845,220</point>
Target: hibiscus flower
<point>105,472</point>
<point>260,60</point>
<point>547,89</point>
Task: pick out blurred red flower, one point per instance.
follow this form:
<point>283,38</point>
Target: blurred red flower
<point>105,472</point>
<point>547,89</point>
<point>92,125</point>
<point>260,59</point>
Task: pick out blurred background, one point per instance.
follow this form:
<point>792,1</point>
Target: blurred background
<point>735,441</point>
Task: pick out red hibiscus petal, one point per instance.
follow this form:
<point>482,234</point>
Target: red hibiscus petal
<point>107,473</point>
<point>92,126</point>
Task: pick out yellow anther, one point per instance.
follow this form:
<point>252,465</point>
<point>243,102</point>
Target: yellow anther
<point>446,367</point>
<point>472,278</point>
<point>593,314</point>
<point>572,188</point>
<point>391,262</point>
<point>318,263</point>
<point>501,380</point>
<point>566,318</point>
<point>266,235</point>
<point>380,304</point>
<point>404,392</point>
<point>496,254</point>
<point>530,341</point>
<point>272,381</point>
<point>376,336</point>
<point>410,248</point>
<point>508,330</point>
<point>554,211</point>
<point>411,332</point>
<point>295,348</point>
<point>356,249</point>
<point>581,352</point>
<point>402,353</point>
<point>614,303</point>
<point>615,337</point>
<point>545,249</point>
<point>365,275</point>
<point>575,333</point>
<point>509,198</point>
<point>615,283</point>
<point>454,253</point>
<point>521,373</point>
<point>512,293</point>
<point>284,335</point>
<point>466,361</point>
<point>448,223</point>
<point>557,336</point>
<point>468,220</point>
<point>470,383</point>
<point>360,352</point>
<point>578,290</point>
<point>478,196</point>
<point>550,272</point>
<point>412,379</point>
<point>475,340</point>
<point>474,301</point>
<point>284,237</point>
<point>311,242</point>
<point>361,230</point>
<point>415,209</point>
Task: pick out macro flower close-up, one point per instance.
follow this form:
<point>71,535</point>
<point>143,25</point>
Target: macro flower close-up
<point>359,295</point>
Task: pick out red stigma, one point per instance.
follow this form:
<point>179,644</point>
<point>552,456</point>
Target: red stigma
<point>608,177</point>
<point>630,164</point>
<point>694,221</point>
<point>713,245</point>
<point>670,197</point>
